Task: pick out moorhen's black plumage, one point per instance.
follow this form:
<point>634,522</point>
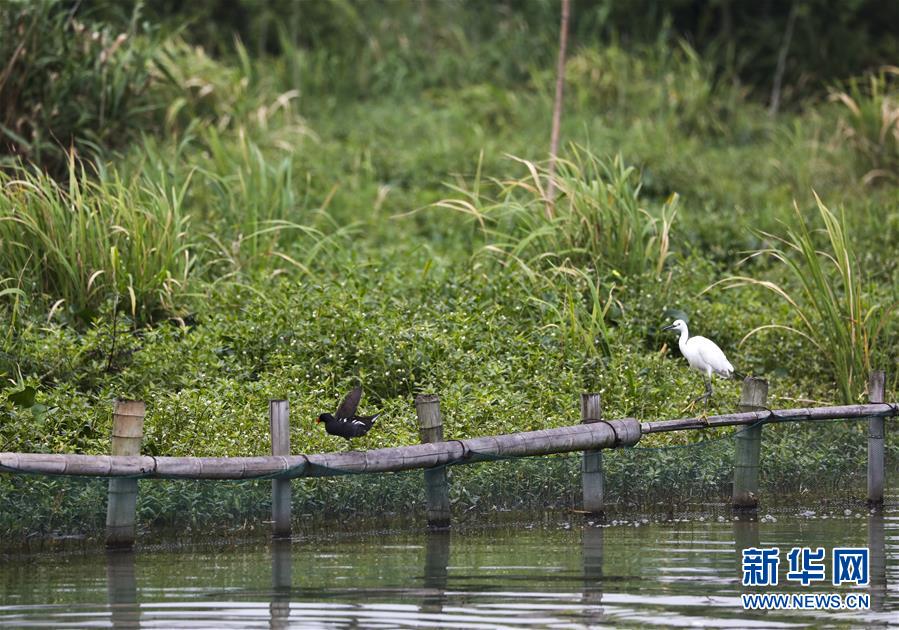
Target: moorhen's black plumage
<point>345,423</point>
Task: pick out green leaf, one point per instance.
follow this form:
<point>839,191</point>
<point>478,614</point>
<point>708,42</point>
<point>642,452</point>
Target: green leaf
<point>39,412</point>
<point>23,398</point>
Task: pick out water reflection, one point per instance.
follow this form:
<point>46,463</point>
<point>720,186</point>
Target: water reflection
<point>683,573</point>
<point>121,589</point>
<point>746,534</point>
<point>282,583</point>
<point>878,567</point>
<point>592,543</point>
<point>437,551</point>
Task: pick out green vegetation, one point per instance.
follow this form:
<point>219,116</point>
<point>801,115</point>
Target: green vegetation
<point>84,242</point>
<point>283,216</point>
<point>66,83</point>
<point>840,316</point>
<point>595,222</point>
<point>872,124</point>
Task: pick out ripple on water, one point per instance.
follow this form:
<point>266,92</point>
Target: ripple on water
<point>533,575</point>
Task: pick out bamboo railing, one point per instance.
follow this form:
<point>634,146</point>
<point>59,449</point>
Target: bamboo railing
<point>590,436</point>
<point>771,416</point>
<point>579,437</point>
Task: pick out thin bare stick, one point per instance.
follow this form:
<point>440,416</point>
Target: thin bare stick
<point>557,109</point>
<point>782,62</point>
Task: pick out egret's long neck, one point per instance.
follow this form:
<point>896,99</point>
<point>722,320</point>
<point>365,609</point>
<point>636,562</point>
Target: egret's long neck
<point>684,335</point>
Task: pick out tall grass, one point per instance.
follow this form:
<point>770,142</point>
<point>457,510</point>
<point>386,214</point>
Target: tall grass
<point>599,221</point>
<point>246,190</point>
<point>15,297</point>
<point>669,83</point>
<point>241,139</point>
<point>837,311</point>
<point>597,232</point>
<point>201,90</point>
<point>245,194</point>
<point>580,310</point>
<point>871,122</point>
<point>83,242</point>
<point>68,83</point>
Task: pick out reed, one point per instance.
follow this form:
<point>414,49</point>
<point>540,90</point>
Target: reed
<point>12,294</point>
<point>600,233</point>
<point>600,222</point>
<point>580,314</point>
<point>84,241</point>
<point>836,311</point>
<point>68,82</point>
<point>870,124</point>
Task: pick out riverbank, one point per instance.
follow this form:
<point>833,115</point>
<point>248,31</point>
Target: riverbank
<point>288,222</point>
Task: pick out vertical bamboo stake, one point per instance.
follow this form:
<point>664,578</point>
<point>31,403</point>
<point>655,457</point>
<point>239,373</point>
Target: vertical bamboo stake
<point>427,406</point>
<point>749,442</point>
<point>591,465</point>
<point>279,419</point>
<point>875,442</point>
<point>127,432</point>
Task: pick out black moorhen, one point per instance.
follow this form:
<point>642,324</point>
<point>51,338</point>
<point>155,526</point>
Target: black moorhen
<point>345,423</point>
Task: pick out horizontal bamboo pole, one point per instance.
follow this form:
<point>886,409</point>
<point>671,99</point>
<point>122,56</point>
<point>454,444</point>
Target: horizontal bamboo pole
<point>843,412</point>
<point>579,437</point>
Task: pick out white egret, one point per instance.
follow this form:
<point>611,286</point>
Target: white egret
<point>703,355</point>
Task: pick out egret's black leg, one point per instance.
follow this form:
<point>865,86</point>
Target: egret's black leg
<point>703,396</point>
<point>706,396</point>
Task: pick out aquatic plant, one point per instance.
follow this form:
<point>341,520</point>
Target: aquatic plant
<point>600,222</point>
<point>870,123</point>
<point>836,311</point>
<point>82,242</point>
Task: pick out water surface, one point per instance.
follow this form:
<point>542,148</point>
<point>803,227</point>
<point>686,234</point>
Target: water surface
<point>562,573</point>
